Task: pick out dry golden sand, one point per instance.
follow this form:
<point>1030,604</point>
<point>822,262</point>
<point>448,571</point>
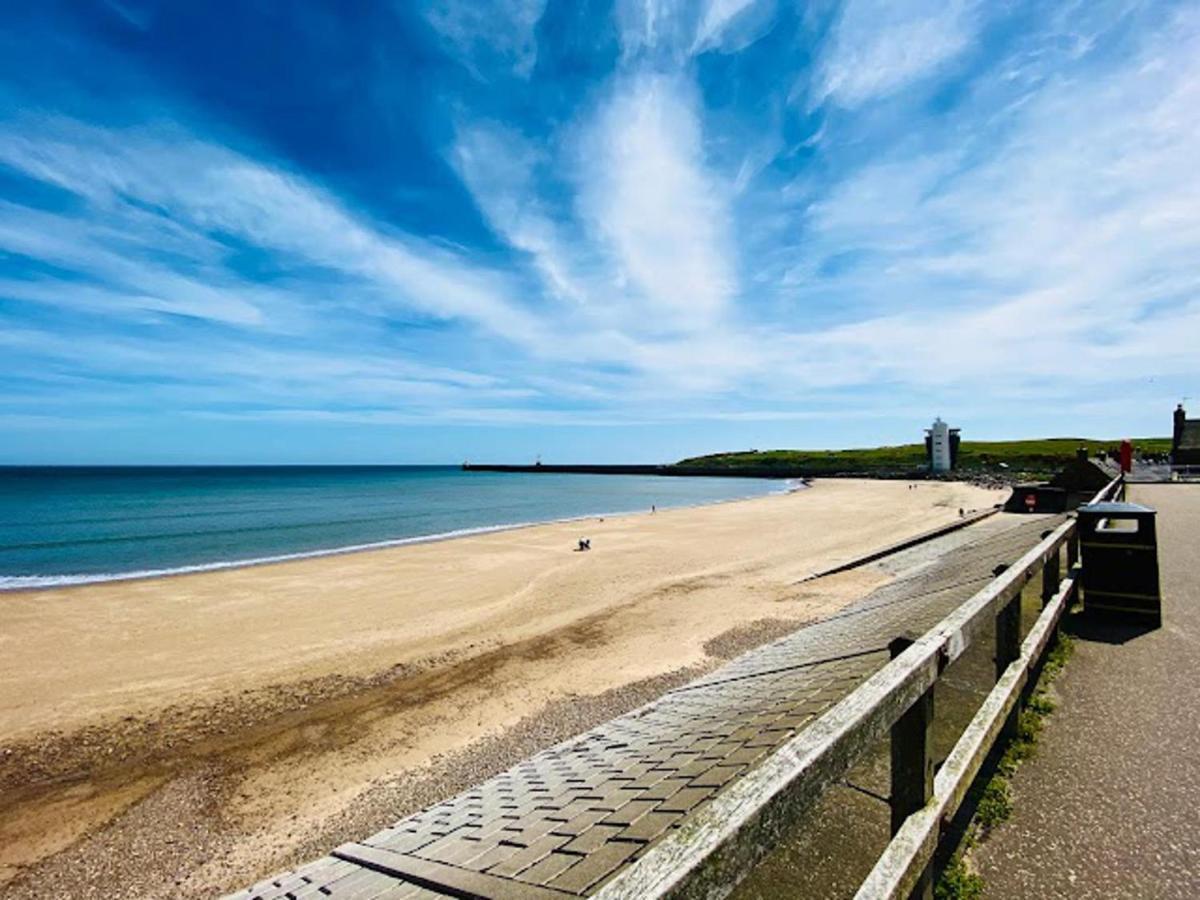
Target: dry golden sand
<point>193,733</point>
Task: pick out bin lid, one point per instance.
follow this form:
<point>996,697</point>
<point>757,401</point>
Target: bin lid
<point>1115,509</point>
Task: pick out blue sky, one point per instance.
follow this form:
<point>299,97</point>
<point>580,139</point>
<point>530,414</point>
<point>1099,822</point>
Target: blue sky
<point>630,231</point>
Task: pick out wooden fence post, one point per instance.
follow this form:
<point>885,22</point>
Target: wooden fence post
<point>1051,578</point>
<point>1008,648</point>
<point>912,765</point>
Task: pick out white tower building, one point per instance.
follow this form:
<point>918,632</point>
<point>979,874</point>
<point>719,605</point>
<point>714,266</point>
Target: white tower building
<point>939,435</point>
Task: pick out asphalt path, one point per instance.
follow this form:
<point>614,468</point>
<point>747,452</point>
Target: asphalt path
<point>1110,805</point>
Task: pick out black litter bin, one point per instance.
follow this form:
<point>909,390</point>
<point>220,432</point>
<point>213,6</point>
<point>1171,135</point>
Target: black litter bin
<point>1120,561</point>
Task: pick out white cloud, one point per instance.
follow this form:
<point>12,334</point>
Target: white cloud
<point>732,25</point>
<point>176,372</point>
<point>880,46</point>
<point>638,256</point>
<point>201,188</point>
<point>182,297</point>
<point>1066,254</point>
<point>501,168</point>
<point>682,28</point>
<point>1041,234</point>
<point>479,31</point>
<point>648,195</point>
<point>1074,222</point>
<point>164,211</point>
<point>641,23</point>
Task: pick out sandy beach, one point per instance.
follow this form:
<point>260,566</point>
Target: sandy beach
<point>187,735</point>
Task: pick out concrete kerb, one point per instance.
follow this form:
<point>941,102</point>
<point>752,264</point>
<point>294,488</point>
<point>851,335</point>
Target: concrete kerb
<point>923,537</point>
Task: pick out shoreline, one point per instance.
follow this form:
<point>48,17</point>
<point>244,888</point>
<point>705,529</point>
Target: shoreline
<point>22,583</point>
<point>219,726</point>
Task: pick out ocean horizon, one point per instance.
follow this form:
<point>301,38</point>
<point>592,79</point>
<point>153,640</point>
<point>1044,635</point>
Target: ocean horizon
<point>66,525</point>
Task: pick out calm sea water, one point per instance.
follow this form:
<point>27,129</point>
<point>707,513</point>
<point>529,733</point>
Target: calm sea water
<point>71,525</point>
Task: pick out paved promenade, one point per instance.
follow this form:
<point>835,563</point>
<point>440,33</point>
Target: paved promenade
<point>568,819</point>
<point>1110,805</point>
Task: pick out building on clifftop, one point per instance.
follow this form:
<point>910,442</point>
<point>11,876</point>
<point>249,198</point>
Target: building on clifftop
<point>1185,439</point>
<point>941,446</point>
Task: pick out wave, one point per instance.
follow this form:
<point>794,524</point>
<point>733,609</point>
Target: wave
<point>205,532</point>
<point>44,582</point>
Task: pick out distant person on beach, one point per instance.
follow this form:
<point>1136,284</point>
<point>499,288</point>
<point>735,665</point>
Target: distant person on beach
<point>584,544</point>
<point>653,509</point>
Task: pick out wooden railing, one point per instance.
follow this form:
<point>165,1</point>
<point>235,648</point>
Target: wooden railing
<point>1114,490</point>
<point>723,841</point>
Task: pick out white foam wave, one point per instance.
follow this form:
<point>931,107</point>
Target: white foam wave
<point>42,582</point>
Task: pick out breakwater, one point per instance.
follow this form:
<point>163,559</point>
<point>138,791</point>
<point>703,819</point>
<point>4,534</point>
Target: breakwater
<point>633,469</point>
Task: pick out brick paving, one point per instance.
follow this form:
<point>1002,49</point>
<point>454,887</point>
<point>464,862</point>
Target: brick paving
<point>566,820</point>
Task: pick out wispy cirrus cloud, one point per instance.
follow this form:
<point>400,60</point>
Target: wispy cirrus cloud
<point>167,190</point>
<point>731,25</point>
<point>680,28</point>
<point>1068,243</point>
<point>480,32</point>
<point>732,212</point>
<point>880,46</point>
<point>506,174</point>
<point>648,195</point>
<point>639,247</point>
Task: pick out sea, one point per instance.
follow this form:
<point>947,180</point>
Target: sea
<point>74,525</point>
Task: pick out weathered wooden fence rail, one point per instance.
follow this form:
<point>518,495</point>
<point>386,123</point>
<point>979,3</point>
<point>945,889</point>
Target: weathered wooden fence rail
<point>722,842</point>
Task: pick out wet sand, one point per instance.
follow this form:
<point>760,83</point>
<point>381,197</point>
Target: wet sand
<point>186,735</point>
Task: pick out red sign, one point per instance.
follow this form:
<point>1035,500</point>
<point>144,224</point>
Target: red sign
<point>1126,455</point>
<point>1031,502</point>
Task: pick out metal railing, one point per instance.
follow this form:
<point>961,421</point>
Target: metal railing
<point>723,841</point>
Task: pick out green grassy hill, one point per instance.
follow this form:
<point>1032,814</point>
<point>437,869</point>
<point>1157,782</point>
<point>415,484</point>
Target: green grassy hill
<point>1042,456</point>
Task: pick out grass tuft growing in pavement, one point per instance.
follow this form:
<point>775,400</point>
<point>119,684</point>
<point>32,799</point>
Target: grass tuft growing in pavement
<point>958,882</point>
<point>1041,704</point>
<point>995,803</point>
<point>1057,657</point>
